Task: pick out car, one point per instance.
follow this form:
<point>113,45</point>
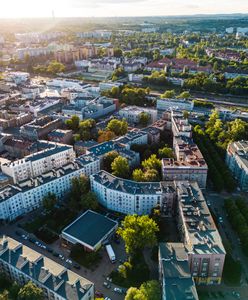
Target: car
<point>76,266</point>
<point>98,294</point>
<point>118,290</point>
<point>106,285</point>
<point>109,279</point>
<point>31,240</point>
<point>55,254</point>
<point>49,249</point>
<point>107,298</point>
<point>220,219</point>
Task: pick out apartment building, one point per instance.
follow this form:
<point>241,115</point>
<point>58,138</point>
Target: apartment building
<point>173,104</point>
<point>132,114</point>
<point>237,161</point>
<point>61,136</point>
<point>188,164</point>
<point>180,125</point>
<point>134,136</point>
<point>23,264</point>
<point>39,128</point>
<point>199,234</point>
<point>130,197</point>
<point>28,194</point>
<point>174,273</point>
<point>54,156</point>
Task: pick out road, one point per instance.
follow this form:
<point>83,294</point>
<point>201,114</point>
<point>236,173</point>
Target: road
<point>216,202</point>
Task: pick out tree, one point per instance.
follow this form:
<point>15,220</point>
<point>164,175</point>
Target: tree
<point>117,52</point>
<point>49,201</point>
<point>119,127</point>
<point>152,163</point>
<point>80,186</point>
<point>134,294</point>
<point>108,159</point>
<point>89,201</point>
<point>138,175</point>
<point>185,114</point>
<point>105,136</point>
<point>151,290</point>
<point>184,95</point>
<point>30,292</point>
<point>168,94</point>
<point>4,295</point>
<point>151,175</point>
<point>165,152</point>
<point>137,233</point>
<point>144,118</point>
<point>120,167</point>
<point>55,67</point>
<point>73,123</point>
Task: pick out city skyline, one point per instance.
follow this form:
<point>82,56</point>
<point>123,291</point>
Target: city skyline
<point>106,8</point>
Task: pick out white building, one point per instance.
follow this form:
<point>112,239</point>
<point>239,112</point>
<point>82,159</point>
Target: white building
<point>170,104</point>
<point>16,77</point>
<point>132,114</point>
<point>65,83</point>
<point>130,197</point>
<point>28,194</point>
<point>55,156</point>
<point>23,264</point>
<point>108,85</point>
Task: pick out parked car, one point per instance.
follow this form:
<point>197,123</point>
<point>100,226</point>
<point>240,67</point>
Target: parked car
<point>118,290</point>
<point>55,254</point>
<point>76,266</point>
<point>106,285</point>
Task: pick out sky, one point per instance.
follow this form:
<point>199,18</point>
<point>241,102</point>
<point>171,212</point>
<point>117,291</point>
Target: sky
<point>115,8</point>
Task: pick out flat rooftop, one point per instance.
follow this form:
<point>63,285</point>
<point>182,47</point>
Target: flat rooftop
<point>90,228</point>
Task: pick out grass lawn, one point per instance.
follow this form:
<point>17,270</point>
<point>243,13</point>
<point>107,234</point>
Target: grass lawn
<point>135,276</point>
<point>232,271</point>
<point>89,260</point>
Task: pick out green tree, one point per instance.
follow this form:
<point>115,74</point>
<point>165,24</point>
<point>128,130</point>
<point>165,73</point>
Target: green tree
<point>168,94</point>
<point>151,175</point>
<point>73,123</point>
<point>134,293</point>
<point>89,201</point>
<point>151,290</point>
<point>137,233</point>
<point>165,152</point>
<point>117,52</point>
<point>4,295</point>
<point>55,67</point>
<point>138,175</point>
<point>119,127</point>
<point>120,167</point>
<point>144,118</point>
<point>80,186</point>
<point>49,201</point>
<point>152,163</point>
<point>108,159</point>
<point>30,292</point>
<point>184,95</point>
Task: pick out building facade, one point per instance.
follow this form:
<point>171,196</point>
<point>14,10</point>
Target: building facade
<point>23,264</point>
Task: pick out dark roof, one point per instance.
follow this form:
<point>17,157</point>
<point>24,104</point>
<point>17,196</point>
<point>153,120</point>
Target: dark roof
<point>90,228</point>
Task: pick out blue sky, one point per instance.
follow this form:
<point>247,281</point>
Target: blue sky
<point>104,8</point>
